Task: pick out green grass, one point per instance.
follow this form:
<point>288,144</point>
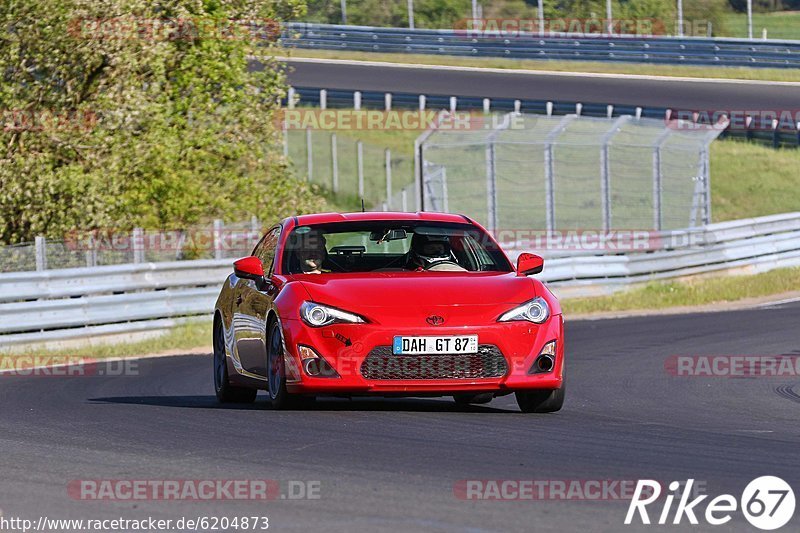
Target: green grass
<point>750,180</point>
<point>737,73</point>
<point>187,336</point>
<point>700,291</point>
<point>779,25</point>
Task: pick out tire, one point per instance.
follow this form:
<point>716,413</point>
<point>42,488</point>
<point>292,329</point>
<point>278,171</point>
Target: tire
<point>227,393</point>
<point>276,375</point>
<point>467,399</point>
<point>541,401</point>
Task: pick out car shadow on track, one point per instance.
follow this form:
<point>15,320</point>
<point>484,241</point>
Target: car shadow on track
<point>323,404</point>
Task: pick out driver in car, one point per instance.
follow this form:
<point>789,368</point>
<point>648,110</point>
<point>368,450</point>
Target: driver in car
<point>311,253</point>
<point>431,252</point>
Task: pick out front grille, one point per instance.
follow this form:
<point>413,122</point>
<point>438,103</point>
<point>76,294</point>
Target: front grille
<point>381,363</point>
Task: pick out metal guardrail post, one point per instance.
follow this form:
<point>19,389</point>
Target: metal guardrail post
<point>491,173</point>
<point>137,243</point>
<point>309,156</point>
<point>549,170</point>
<point>218,239</point>
<point>491,187</point>
<point>445,206</point>
<point>658,189</point>
<point>387,101</point>
<point>334,164</point>
<point>706,177</point>
<point>709,138</point>
<point>40,245</point>
<point>360,164</point>
<point>290,98</point>
<point>388,165</point>
<point>91,252</point>
<point>323,99</point>
<point>605,169</point>
<point>357,100</point>
<point>419,166</point>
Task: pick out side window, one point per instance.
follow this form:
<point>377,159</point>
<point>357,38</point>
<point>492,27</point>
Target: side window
<point>265,250</point>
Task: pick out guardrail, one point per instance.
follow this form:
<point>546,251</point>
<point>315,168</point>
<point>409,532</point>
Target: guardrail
<point>667,50</point>
<point>56,305</point>
<point>776,134</point>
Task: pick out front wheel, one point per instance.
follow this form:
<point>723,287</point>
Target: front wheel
<point>541,401</point>
<point>227,393</point>
<point>276,374</point>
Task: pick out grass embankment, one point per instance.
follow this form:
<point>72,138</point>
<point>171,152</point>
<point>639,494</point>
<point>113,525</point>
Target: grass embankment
<point>192,336</point>
<point>779,25</point>
<point>693,292</point>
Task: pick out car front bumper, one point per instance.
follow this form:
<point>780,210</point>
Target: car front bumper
<point>346,347</point>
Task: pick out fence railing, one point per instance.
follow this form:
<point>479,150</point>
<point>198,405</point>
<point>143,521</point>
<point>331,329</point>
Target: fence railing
<point>62,304</point>
<point>759,129</point>
<point>111,246</point>
<point>668,50</point>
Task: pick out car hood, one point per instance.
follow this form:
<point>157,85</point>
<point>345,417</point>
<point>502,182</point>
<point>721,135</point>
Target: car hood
<point>377,295</point>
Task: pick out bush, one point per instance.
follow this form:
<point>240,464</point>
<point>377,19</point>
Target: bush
<point>120,128</point>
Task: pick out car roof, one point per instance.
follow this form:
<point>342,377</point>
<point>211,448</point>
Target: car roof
<point>427,216</point>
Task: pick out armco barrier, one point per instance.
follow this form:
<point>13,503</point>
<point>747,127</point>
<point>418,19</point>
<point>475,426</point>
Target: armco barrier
<point>776,135</point>
<point>668,50</point>
<point>62,304</point>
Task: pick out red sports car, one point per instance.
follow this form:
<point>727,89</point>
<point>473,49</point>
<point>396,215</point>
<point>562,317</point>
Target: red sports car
<point>410,304</point>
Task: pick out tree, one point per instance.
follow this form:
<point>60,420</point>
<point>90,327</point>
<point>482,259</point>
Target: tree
<point>120,113</point>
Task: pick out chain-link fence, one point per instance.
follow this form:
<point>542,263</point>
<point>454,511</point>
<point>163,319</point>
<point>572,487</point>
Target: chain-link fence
<point>571,172</point>
<point>350,168</point>
<point>104,247</point>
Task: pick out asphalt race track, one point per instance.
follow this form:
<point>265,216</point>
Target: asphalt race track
<point>391,464</point>
<point>675,93</point>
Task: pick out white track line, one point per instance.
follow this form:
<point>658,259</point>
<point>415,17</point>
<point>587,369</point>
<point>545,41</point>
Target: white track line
<point>527,72</point>
<point>780,302</point>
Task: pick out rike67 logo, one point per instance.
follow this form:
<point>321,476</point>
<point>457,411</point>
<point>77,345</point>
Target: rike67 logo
<point>767,503</point>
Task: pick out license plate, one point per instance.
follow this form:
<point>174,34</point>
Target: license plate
<point>451,344</point>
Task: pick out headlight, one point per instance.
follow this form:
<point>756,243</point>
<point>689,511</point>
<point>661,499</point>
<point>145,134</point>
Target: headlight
<point>317,315</point>
<point>535,311</point>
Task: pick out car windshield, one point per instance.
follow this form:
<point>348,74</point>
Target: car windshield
<point>391,246</point>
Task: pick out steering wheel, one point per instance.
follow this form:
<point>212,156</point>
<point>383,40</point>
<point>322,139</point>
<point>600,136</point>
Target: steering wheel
<point>443,262</point>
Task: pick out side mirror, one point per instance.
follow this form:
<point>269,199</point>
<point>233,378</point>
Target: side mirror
<point>528,264</point>
<point>249,268</point>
